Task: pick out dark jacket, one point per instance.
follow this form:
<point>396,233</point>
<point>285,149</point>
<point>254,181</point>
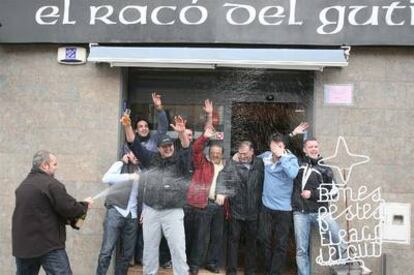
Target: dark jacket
<point>42,208</point>
<point>164,183</point>
<point>243,186</point>
<point>317,175</point>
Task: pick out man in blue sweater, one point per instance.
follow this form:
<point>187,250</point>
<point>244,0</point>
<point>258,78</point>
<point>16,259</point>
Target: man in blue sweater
<point>281,167</point>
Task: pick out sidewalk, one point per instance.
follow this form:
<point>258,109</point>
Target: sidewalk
<point>137,270</point>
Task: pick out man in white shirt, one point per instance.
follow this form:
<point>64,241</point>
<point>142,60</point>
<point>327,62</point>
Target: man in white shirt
<point>121,215</point>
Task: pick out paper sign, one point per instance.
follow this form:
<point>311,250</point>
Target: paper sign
<point>339,94</point>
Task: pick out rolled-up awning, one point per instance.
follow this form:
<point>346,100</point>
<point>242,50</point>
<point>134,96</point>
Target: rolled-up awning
<point>211,58</point>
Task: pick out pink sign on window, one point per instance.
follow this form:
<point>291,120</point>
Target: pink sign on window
<point>339,94</point>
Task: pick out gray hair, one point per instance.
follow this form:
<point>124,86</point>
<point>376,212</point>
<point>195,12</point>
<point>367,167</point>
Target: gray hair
<point>246,143</point>
<point>40,157</point>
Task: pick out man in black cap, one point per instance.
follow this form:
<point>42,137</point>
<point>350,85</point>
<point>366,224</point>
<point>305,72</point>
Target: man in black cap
<point>163,189</point>
<point>149,141</point>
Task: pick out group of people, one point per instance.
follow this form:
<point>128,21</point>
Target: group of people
<point>183,191</point>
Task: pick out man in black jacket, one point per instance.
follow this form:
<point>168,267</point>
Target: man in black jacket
<point>307,202</point>
<point>241,181</point>
<point>162,189</point>
<point>43,208</point>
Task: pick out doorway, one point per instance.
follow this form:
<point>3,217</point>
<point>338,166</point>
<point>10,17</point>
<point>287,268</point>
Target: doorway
<point>281,98</point>
<point>256,121</point>
<point>250,104</point>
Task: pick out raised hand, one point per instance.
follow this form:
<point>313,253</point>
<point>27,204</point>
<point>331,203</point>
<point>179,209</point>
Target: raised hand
<point>208,106</point>
<point>236,157</point>
<point>125,159</point>
<point>179,124</point>
<point>301,128</point>
<point>209,132</point>
<point>277,150</point>
<point>156,99</point>
<point>126,119</point>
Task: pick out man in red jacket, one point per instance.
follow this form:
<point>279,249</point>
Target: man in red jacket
<point>205,215</point>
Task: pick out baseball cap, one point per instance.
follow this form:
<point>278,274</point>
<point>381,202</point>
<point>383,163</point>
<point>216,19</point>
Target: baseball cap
<point>164,140</point>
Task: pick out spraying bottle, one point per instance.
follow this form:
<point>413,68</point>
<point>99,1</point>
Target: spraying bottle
<point>77,223</point>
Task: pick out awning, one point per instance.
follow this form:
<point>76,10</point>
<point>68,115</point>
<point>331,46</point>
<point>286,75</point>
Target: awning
<point>211,58</point>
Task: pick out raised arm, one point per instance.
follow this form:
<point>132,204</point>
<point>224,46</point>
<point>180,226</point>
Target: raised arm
<point>135,145</point>
<point>129,132</point>
<point>144,154</point>
<point>198,147</point>
<point>179,127</point>
<point>208,108</point>
<point>300,129</point>
<point>162,116</point>
<point>113,175</point>
<point>290,165</point>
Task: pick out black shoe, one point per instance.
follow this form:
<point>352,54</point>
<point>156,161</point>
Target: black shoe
<point>212,268</point>
<point>193,270</point>
<point>167,265</point>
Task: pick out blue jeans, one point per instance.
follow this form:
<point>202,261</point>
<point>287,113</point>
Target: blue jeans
<point>117,227</point>
<point>303,223</point>
<point>55,262</point>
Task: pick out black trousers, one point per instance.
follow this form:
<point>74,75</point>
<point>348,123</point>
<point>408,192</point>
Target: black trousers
<point>275,225</point>
<point>204,235</point>
<point>250,231</point>
<point>139,245</point>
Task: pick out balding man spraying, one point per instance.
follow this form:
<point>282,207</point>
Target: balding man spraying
<point>43,208</point>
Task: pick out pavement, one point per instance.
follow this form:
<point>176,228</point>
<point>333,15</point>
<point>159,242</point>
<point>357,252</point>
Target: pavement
<point>137,270</point>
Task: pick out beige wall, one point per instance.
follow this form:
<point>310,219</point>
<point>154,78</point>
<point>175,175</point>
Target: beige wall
<point>71,110</point>
<point>380,124</point>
